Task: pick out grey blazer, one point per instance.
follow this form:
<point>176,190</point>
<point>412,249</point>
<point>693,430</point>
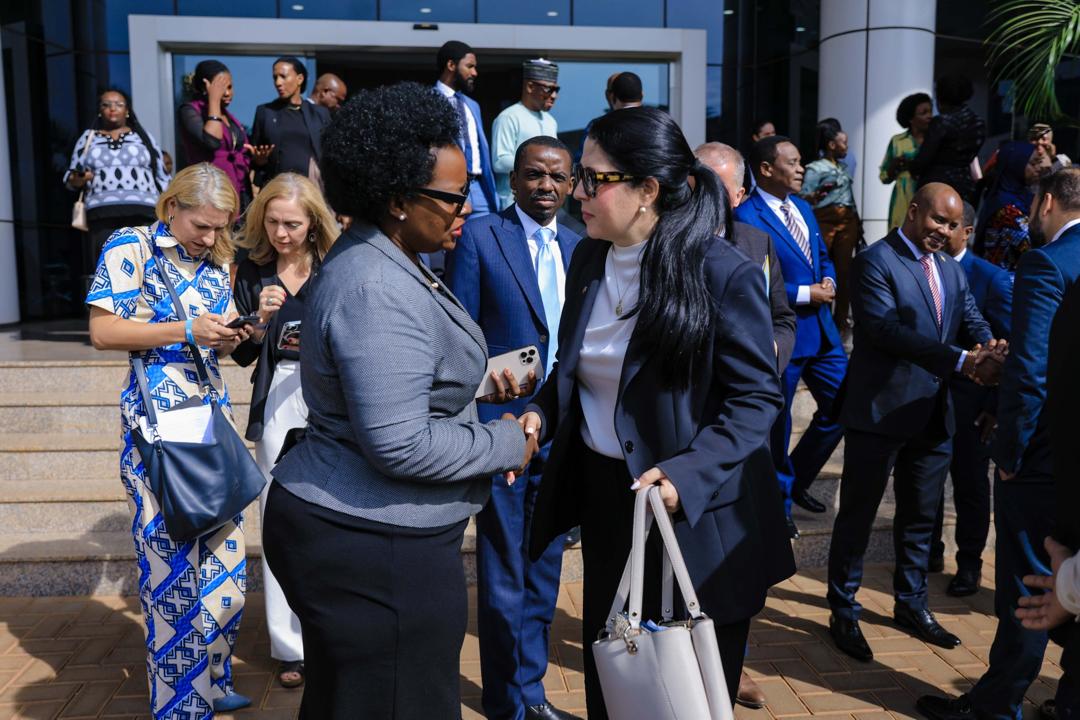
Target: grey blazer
<point>390,362</point>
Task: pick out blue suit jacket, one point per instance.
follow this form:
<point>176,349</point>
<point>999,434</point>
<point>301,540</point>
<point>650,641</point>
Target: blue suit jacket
<point>491,273</point>
<point>897,378</point>
<point>708,437</point>
<point>816,330</point>
<point>992,288</point>
<point>487,175</point>
<point>1042,279</point>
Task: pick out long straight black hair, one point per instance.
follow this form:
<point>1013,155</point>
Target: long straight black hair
<point>674,308</point>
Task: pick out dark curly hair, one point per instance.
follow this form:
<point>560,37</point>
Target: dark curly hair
<point>906,110</point>
<point>379,147</point>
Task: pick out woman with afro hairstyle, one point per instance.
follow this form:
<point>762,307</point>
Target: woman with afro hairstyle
<point>366,515</point>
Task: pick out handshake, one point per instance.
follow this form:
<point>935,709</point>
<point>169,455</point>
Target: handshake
<point>530,425</point>
<point>983,364</point>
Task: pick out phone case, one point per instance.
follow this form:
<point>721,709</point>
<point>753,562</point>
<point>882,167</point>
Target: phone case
<point>520,362</point>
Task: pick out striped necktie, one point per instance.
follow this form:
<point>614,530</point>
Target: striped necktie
<point>935,291</point>
<point>796,231</point>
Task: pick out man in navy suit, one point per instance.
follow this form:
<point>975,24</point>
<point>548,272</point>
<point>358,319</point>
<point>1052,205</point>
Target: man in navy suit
<point>818,356</point>
<point>975,407</point>
<point>913,316</point>
<point>457,75</point>
<point>1024,499</point>
<point>509,271</point>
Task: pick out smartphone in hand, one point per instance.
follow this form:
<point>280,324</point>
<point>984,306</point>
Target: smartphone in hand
<point>237,323</point>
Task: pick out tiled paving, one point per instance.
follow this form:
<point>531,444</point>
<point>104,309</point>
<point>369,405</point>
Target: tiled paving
<point>82,657</point>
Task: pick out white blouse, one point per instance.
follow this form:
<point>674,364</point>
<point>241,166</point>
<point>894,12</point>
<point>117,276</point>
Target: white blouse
<point>604,348</point>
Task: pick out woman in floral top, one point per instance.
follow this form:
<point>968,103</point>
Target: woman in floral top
<point>914,113</point>
<point>192,592</point>
<point>119,168</point>
<point>1003,235</point>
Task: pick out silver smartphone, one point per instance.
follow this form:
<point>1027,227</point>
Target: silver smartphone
<point>520,362</point>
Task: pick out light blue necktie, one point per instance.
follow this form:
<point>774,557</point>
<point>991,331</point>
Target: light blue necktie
<point>547,277</point>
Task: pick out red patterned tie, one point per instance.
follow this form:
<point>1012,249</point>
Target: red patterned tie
<point>935,291</point>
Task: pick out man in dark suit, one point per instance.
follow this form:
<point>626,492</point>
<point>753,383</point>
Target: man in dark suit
<point>509,271</point>
<point>1024,500</point>
<point>913,315</point>
<point>975,406</point>
<point>818,357</point>
<point>728,164</point>
<point>456,63</point>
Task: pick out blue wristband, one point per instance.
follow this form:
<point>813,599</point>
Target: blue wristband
<point>187,331</point>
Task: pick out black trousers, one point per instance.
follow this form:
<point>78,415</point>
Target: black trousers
<point>970,474</point>
<point>382,609</point>
<point>606,530</point>
<point>919,467</point>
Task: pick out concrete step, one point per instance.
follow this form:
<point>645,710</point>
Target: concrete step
<point>86,414</point>
<point>89,375</point>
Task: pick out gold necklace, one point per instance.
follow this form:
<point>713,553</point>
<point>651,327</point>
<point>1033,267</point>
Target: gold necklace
<point>618,287</point>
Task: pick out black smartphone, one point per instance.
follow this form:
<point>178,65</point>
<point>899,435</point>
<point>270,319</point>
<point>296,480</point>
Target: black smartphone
<point>243,320</point>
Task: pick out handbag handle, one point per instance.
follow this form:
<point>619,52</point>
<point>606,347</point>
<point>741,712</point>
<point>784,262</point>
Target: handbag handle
<point>649,506</point>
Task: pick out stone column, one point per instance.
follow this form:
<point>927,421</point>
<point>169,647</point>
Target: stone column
<point>873,53</point>
<point>9,281</point>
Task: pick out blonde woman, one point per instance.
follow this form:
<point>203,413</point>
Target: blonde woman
<point>288,229</point>
<point>192,592</point>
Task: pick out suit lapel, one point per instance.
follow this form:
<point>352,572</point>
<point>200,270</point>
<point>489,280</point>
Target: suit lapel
<point>566,248</point>
<point>310,117</point>
<point>438,289</point>
<point>770,218</point>
<point>515,248</point>
<point>951,291</point>
<point>907,259</point>
<point>587,291</point>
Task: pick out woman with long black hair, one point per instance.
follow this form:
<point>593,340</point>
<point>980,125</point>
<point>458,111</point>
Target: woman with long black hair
<point>666,375</point>
<point>119,169</point>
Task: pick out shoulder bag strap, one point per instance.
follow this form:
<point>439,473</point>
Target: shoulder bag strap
<point>82,159</point>
<point>672,551</point>
<point>144,390</point>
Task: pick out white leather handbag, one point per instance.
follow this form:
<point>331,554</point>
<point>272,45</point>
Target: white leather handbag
<point>670,673</point>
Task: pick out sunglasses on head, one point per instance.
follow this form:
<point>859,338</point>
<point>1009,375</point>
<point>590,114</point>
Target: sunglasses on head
<point>590,180</point>
<point>458,200</point>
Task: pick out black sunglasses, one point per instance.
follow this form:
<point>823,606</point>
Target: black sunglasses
<point>546,89</point>
<point>458,200</point>
<point>590,180</point>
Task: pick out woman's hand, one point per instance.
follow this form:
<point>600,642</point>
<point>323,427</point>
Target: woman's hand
<point>260,154</point>
<point>209,331</point>
<point>506,389</point>
<point>271,299</point>
<point>668,493</point>
<point>530,425</point>
<point>78,180</point>
<point>215,90</point>
<point>242,334</point>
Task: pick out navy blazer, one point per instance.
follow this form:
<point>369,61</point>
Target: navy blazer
<point>487,173</point>
<point>992,288</point>
<point>1042,278</point>
<point>491,273</point>
<point>897,378</point>
<point>816,330</point>
<point>758,246</point>
<point>709,438</point>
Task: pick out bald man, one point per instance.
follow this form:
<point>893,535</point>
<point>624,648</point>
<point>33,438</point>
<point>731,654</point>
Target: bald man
<point>916,327</point>
<point>755,244</point>
<point>330,92</point>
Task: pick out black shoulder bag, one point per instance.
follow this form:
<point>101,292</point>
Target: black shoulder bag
<point>199,486</point>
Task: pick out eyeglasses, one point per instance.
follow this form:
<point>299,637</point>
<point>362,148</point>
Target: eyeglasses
<point>590,180</point>
<point>458,200</point>
<point>546,89</point>
<point>106,104</point>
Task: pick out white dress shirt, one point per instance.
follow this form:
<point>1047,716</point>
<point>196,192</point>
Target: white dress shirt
<point>604,348</point>
<point>531,226</point>
<point>919,254</point>
<point>774,203</point>
<point>474,137</point>
<point>1064,227</point>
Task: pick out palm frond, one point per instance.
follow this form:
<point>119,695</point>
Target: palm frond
<point>1028,42</point>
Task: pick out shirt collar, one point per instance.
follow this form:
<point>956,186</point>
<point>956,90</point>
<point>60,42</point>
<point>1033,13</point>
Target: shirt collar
<point>531,226</point>
<point>445,89</point>
<point>771,200</point>
<point>1064,227</point>
<point>919,254</point>
<point>960,255</point>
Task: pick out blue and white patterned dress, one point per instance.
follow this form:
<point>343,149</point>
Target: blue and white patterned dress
<point>192,593</point>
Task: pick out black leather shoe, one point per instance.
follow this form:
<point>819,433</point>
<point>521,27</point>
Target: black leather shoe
<point>922,624</point>
<point>936,564</point>
<point>936,707</point>
<point>573,537</point>
<point>547,711</point>
<point>849,638</point>
<point>793,530</point>
<point>964,583</point>
<point>807,501</point>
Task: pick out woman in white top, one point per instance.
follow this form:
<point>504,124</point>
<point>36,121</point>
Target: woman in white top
<point>666,375</point>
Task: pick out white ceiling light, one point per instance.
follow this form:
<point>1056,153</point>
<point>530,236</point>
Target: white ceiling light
<point>298,8</point>
<point>425,11</point>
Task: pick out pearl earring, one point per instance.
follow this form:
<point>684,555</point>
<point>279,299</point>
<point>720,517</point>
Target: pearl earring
<point>401,217</point>
<point>641,210</point>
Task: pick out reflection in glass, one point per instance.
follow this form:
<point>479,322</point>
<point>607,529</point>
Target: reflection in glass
<point>539,12</point>
<point>428,10</point>
<point>620,13</point>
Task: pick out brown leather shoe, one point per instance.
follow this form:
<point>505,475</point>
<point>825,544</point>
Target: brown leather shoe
<point>749,695</point>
